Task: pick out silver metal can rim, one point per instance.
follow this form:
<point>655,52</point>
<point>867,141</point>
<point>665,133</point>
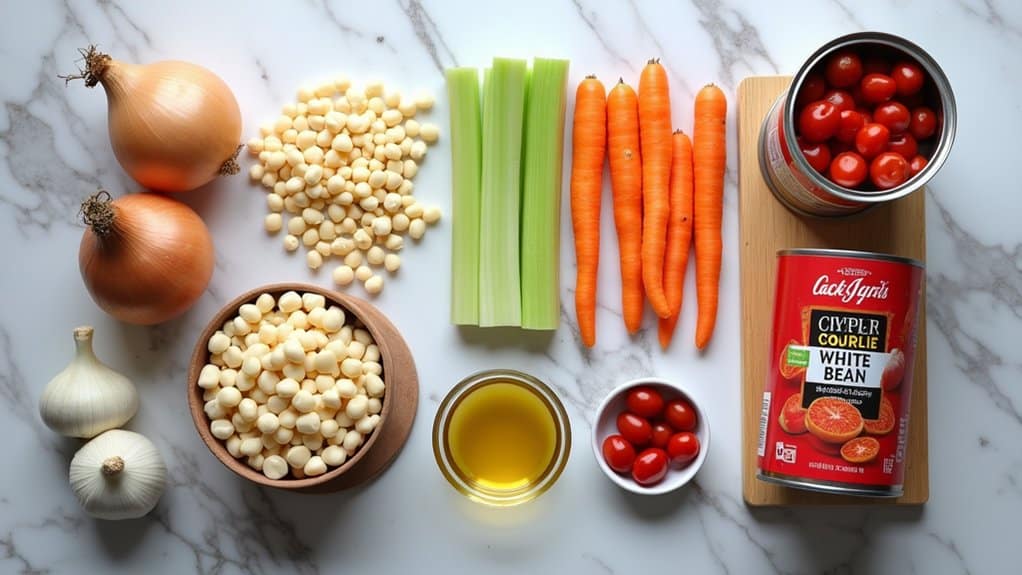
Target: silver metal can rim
<point>831,487</point>
<point>855,254</point>
<point>947,101</point>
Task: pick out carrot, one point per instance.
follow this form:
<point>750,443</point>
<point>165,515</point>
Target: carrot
<point>626,181</point>
<point>589,144</point>
<point>655,134</point>
<point>709,159</point>
<point>679,234</point>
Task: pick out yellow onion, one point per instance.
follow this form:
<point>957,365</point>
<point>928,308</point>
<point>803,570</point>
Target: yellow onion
<point>145,258</point>
<point>174,126</point>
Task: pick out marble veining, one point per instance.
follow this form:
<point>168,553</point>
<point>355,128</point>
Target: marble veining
<point>55,152</point>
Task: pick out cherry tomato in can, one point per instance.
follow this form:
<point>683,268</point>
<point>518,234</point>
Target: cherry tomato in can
<point>923,123</point>
<point>871,140</point>
<point>894,115</point>
<point>908,78</point>
<point>851,121</point>
<point>917,164</point>
<point>818,155</point>
<point>848,169</point>
<point>888,170</point>
<point>818,121</point>
<point>903,144</point>
<point>843,69</point>
<point>842,99</point>
<point>877,88</point>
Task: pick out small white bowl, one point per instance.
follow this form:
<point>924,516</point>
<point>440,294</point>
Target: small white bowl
<point>606,425</point>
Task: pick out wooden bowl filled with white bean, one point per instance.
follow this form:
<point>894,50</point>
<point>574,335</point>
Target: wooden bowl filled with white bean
<point>297,387</point>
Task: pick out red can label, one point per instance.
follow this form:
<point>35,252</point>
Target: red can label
<point>835,410</point>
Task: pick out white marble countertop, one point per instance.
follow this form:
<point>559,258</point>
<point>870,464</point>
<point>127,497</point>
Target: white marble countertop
<point>56,150</point>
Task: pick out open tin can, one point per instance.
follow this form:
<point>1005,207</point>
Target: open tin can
<point>804,190</point>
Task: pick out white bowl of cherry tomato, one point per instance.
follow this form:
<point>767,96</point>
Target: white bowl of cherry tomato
<point>650,437</point>
<point>869,116</point>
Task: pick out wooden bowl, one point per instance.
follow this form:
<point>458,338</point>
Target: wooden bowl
<point>399,403</point>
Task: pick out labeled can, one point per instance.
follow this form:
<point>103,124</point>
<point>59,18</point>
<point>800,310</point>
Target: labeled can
<point>835,408</point>
<point>804,190</point>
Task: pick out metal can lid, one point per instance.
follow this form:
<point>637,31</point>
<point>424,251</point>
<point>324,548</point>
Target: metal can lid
<point>857,254</point>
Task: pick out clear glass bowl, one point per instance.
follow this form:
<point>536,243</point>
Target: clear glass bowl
<point>476,490</point>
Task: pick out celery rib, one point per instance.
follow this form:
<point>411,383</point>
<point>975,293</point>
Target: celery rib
<point>466,174</point>
<point>503,111</point>
<point>541,193</point>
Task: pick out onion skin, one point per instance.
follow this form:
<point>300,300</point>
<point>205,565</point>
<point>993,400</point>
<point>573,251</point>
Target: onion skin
<point>174,126</point>
<point>152,263</point>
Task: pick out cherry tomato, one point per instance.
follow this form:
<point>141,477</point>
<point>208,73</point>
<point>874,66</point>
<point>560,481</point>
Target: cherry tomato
<point>683,447</point>
<point>818,155</point>
<point>812,89</point>
<point>872,139</point>
<point>850,123</point>
<point>650,467</point>
<point>917,164</point>
<point>908,77</point>
<point>635,429</point>
<point>843,69</point>
<point>680,415</point>
<point>661,433</point>
<point>894,115</point>
<point>645,401</point>
<point>842,99</point>
<point>888,170</point>
<point>818,121</point>
<point>903,144</point>
<point>848,169</point>
<point>875,65</point>
<point>867,114</point>
<point>877,88</point>
<point>923,123</point>
<point>618,453</point>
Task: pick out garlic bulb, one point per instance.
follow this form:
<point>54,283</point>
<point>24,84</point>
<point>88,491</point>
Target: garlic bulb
<point>87,398</point>
<point>118,475</point>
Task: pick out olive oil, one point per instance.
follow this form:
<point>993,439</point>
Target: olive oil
<point>502,436</point>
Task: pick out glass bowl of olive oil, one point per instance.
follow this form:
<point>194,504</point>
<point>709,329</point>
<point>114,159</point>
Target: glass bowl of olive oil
<point>501,437</point>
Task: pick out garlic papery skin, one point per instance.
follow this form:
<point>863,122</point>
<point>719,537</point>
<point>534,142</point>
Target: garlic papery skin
<point>87,397</point>
<point>118,475</point>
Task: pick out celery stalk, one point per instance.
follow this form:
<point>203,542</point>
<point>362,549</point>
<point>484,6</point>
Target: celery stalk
<point>503,110</point>
<point>466,173</point>
<point>541,193</point>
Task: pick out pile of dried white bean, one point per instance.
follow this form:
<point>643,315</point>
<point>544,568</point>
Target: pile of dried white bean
<point>292,385</point>
<point>342,167</point>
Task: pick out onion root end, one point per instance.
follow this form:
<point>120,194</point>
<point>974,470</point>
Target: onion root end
<point>96,64</point>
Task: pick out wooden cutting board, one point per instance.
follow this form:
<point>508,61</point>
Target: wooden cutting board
<point>766,226</point>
